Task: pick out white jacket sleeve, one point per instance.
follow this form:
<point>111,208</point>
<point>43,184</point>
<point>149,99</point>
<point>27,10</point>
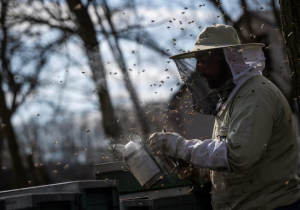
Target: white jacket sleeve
<point>211,154</point>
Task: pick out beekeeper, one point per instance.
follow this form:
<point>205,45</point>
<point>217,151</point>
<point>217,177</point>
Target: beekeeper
<point>252,156</point>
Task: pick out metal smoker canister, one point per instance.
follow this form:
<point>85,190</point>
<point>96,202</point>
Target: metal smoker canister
<point>146,168</point>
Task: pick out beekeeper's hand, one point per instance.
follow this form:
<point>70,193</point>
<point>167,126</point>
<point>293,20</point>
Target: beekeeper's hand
<point>167,144</point>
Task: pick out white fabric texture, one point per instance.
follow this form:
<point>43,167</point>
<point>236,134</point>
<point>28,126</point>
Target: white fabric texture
<point>245,62</point>
<point>210,153</point>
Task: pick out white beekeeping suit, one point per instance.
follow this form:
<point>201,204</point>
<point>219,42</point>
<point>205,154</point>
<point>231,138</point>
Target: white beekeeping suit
<point>252,157</point>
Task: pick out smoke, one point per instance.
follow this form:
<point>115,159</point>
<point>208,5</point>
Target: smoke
<point>109,144</point>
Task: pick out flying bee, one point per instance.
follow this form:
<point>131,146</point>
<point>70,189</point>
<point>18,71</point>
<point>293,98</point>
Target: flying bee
<point>77,7</point>
<point>269,47</point>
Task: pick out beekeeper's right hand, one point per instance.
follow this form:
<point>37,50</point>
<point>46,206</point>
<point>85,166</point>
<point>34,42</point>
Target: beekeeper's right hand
<point>167,144</point>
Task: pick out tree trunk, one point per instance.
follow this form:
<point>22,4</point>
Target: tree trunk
<point>87,33</point>
<point>19,171</point>
<point>119,58</point>
<point>290,21</point>
<point>5,113</point>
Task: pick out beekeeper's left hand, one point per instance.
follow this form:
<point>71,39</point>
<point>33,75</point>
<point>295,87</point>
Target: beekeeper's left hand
<point>167,144</point>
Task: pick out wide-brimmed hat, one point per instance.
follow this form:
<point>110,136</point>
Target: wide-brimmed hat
<point>215,37</point>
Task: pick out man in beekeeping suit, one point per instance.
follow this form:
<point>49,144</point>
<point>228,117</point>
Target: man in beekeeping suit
<point>252,157</point>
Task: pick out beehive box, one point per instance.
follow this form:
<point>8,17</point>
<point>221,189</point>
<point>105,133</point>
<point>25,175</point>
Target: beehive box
<point>128,183</point>
<point>43,201</point>
<point>176,198</point>
<point>93,194</point>
<point>170,193</point>
<point>136,204</point>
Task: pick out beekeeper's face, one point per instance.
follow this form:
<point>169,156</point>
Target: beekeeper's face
<point>213,68</point>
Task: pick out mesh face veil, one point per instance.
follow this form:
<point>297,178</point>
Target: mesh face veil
<point>244,61</point>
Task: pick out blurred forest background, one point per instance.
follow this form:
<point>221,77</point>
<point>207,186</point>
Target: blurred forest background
<point>76,74</point>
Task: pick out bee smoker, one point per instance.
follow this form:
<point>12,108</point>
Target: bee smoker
<point>146,168</point>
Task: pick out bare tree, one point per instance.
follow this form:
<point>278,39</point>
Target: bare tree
<point>87,33</point>
<point>5,112</point>
<point>17,83</point>
<point>290,21</point>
